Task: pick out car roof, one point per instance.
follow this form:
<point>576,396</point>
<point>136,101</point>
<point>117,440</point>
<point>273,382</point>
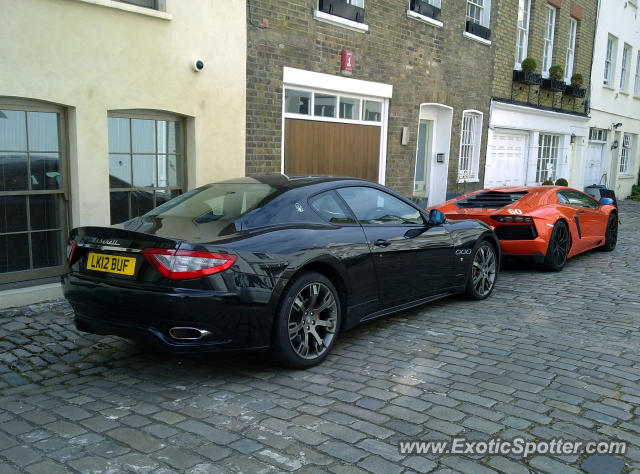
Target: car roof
<point>291,182</point>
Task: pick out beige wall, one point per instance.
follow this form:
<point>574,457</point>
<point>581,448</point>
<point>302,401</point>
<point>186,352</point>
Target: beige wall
<point>92,56</point>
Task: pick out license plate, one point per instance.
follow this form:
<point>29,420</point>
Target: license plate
<point>111,263</point>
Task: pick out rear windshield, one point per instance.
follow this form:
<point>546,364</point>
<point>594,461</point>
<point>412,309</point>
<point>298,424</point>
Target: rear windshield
<point>216,202</point>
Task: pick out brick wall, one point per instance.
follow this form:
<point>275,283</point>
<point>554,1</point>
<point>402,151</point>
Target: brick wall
<point>422,62</point>
<point>505,46</point>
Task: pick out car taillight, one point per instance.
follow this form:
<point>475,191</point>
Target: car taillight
<point>71,250</point>
<point>187,264</point>
<point>513,219</point>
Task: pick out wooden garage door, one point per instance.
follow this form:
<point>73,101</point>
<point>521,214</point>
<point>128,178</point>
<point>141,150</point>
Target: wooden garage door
<point>329,148</point>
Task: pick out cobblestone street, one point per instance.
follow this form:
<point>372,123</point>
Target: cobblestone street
<point>548,355</point>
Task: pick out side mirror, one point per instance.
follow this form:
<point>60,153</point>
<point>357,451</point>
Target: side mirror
<point>605,201</point>
<point>436,217</point>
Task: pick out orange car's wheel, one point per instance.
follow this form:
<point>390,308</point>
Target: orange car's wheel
<point>558,249</point>
<point>611,234</point>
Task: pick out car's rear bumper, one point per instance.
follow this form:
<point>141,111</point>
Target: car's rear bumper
<point>537,246</point>
<point>147,316</point>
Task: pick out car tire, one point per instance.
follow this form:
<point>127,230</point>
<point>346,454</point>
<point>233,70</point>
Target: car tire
<point>558,249</point>
<point>483,271</point>
<point>307,322</point>
<point>611,233</point>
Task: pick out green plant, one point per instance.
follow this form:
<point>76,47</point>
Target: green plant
<point>529,64</point>
<point>562,182</point>
<point>577,80</point>
<point>547,182</point>
<point>556,72</point>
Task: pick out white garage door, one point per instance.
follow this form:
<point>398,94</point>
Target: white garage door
<point>506,160</point>
<point>593,169</point>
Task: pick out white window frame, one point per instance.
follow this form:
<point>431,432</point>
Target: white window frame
<point>522,34</point>
<point>470,144</point>
<point>610,61</point>
<point>625,154</point>
<point>338,20</point>
<point>548,152</point>
<point>636,85</point>
<point>549,35</point>
<point>485,12</point>
<point>571,50</point>
<point>625,65</point>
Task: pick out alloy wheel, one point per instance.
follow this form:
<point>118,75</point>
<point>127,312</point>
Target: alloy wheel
<point>560,245</point>
<point>312,320</point>
<point>484,270</point>
<point>612,232</point>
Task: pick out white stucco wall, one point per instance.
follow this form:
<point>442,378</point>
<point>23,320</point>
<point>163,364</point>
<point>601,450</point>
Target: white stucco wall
<point>609,104</point>
<point>94,56</point>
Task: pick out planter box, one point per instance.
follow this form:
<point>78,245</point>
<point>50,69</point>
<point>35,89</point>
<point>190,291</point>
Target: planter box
<point>526,77</point>
<point>426,9</point>
<point>575,91</point>
<point>342,9</point>
<point>553,85</point>
<point>478,30</point>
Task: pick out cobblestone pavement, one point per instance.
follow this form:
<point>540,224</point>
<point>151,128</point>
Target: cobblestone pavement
<point>548,355</point>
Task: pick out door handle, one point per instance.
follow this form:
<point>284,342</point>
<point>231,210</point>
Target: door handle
<point>382,243</point>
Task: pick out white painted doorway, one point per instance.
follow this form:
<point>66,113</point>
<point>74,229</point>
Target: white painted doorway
<point>506,159</point>
<point>593,169</point>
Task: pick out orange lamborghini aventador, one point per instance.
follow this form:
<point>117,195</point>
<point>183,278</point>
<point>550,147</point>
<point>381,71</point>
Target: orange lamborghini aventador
<point>548,223</point>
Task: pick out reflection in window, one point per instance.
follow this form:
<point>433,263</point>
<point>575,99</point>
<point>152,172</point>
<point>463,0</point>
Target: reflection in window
<point>31,221</point>
<point>372,111</point>
<point>349,108</point>
<point>324,105</point>
<point>145,165</point>
<point>372,206</point>
<point>297,102</point>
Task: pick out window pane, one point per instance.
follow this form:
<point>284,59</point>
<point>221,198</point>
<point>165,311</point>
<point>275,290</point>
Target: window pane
<point>46,249</point>
<point>141,202</point>
<point>349,108</point>
<point>119,207</point>
<point>119,171</point>
<point>164,195</point>
<point>119,139</point>
<point>43,131</point>
<point>45,171</point>
<point>328,206</point>
<point>13,214</point>
<point>297,102</point>
<point>13,172</point>
<point>14,252</point>
<point>167,137</point>
<point>13,131</point>
<point>324,105</point>
<point>143,136</point>
<point>169,171</point>
<point>44,211</point>
<point>372,206</point>
<point>144,171</point>
<point>372,111</point>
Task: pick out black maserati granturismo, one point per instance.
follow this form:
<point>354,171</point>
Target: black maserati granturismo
<point>274,263</point>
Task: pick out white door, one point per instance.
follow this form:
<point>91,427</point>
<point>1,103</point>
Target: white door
<point>593,168</point>
<point>506,160</point>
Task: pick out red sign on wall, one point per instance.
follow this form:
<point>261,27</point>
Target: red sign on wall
<point>347,61</point>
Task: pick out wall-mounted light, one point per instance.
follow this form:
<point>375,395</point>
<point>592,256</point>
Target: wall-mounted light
<point>573,138</point>
<point>616,125</point>
<point>614,145</point>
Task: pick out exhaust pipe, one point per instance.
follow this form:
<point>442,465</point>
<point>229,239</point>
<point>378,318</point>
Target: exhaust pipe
<point>188,333</point>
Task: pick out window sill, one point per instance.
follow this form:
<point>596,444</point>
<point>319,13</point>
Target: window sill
<point>468,180</point>
<point>466,34</point>
<point>129,8</point>
<point>623,92</point>
<point>607,86</point>
<point>424,19</point>
<point>625,176</point>
<point>637,96</point>
<point>339,21</point>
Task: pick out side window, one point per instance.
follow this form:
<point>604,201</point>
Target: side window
<point>582,200</point>
<point>372,206</point>
<point>562,198</point>
<point>330,208</point>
